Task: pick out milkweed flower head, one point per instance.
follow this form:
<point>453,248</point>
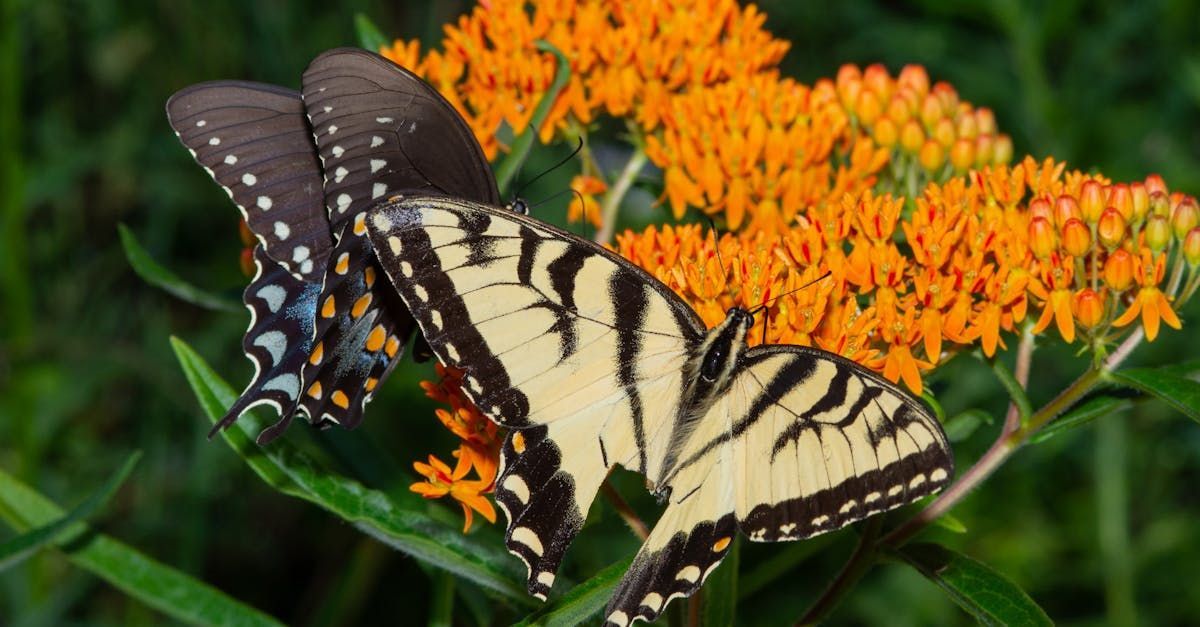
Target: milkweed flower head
<point>878,216</point>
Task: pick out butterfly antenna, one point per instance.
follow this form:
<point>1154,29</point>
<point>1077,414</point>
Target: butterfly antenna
<point>712,229</point>
<point>767,303</point>
<point>556,166</point>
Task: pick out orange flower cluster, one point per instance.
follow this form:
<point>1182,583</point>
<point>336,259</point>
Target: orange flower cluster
<point>479,450</point>
<point>626,58</point>
<point>906,287</point>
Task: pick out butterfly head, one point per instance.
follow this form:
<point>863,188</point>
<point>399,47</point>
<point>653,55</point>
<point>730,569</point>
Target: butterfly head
<point>740,317</point>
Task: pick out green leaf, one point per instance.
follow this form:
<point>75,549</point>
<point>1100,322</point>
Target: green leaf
<point>1179,392</point>
<point>581,602</point>
<point>963,425</point>
<point>507,169</point>
<point>721,589</point>
<point>374,512</point>
<point>1014,389</point>
<point>16,550</point>
<point>988,596</point>
<point>155,274</point>
<point>950,523</point>
<point>933,404</point>
<point>1082,414</point>
<point>157,585</point>
<point>369,36</point>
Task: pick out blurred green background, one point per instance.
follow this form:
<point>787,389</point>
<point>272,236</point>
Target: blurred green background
<point>1098,525</point>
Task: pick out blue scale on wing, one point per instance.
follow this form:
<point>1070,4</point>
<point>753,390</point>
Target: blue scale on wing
<point>359,332</point>
<point>279,338</point>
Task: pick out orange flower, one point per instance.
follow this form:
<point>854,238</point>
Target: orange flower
<point>440,481</point>
<point>1150,302</point>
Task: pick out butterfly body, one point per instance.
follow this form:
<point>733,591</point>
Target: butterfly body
<point>592,363</point>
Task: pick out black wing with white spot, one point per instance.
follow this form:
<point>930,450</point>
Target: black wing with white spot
<point>279,339</point>
<point>380,131</point>
<point>255,142</point>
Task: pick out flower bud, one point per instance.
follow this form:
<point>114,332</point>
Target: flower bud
<point>1076,238</point>
<point>932,156</point>
<point>876,78</point>
<point>1155,183</point>
<point>869,108</point>
<point>885,132</point>
<point>1091,201</point>
<point>1191,247</point>
<point>911,136</point>
<point>1140,199</point>
<point>931,111</point>
<point>915,78</point>
<point>1066,208</point>
<point>1160,205</point>
<point>1041,237</point>
<point>899,111</point>
<point>1003,151</point>
<point>1040,208</point>
<point>967,126</point>
<point>962,154</point>
<point>1185,218</point>
<point>1158,233</point>
<point>1089,307</point>
<point>985,145</point>
<point>985,120</point>
<point>1120,199</point>
<point>1111,228</point>
<point>946,94</point>
<point>1118,270</point>
<point>943,132</point>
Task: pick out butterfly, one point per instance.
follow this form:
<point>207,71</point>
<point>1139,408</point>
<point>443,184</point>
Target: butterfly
<point>303,167</point>
<point>591,363</point>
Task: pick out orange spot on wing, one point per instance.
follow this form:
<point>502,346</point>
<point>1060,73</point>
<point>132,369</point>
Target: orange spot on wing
<point>360,306</point>
<point>371,383</point>
<point>720,545</point>
<point>318,354</point>
<point>518,442</point>
<point>315,390</point>
<point>369,276</point>
<point>393,346</point>
<point>340,399</point>
<point>343,263</point>
<point>360,224</point>
<point>329,308</point>
<point>375,339</point>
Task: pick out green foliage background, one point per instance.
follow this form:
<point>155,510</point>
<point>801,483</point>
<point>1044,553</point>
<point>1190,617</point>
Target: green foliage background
<point>1098,524</point>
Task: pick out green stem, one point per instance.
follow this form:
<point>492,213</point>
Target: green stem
<point>441,612</point>
<point>859,563</point>
<point>1112,520</point>
<point>612,199</point>
<point>16,297</point>
<point>507,169</point>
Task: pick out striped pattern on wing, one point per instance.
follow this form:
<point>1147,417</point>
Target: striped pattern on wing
<point>558,339</point>
<point>254,140</point>
<point>279,338</point>
<point>824,442</point>
<point>362,327</point>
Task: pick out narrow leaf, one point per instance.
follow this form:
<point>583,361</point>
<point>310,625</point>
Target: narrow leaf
<point>507,169</point>
<point>369,36</point>
<point>582,602</point>
<point>1082,414</point>
<point>374,512</point>
<point>155,274</point>
<point>988,596</point>
<point>962,425</point>
<point>721,589</point>
<point>1179,392</point>
<point>16,550</point>
<point>1014,389</point>
<point>933,404</point>
<point>157,585</point>
<point>950,523</point>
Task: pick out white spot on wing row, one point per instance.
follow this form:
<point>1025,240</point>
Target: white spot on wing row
<point>376,141</point>
<point>249,179</point>
<point>526,536</point>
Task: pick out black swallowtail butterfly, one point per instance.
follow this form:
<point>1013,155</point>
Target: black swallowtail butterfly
<point>325,331</point>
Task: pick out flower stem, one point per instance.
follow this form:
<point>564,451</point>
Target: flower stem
<point>1005,444</point>
<point>626,512</point>
<point>612,199</point>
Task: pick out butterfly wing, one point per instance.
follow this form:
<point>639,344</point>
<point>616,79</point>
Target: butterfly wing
<point>577,351</point>
<point>380,130</point>
<point>803,442</point>
<point>254,140</point>
<point>279,338</point>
